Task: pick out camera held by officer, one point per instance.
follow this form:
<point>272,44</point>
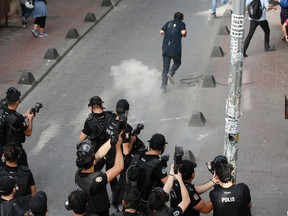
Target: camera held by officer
<point>178,154</point>
<point>36,108</point>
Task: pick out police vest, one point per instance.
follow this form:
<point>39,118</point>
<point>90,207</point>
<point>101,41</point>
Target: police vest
<point>21,177</point>
<point>230,201</point>
<point>84,183</point>
<point>140,173</point>
<point>98,126</point>
<point>8,133</point>
<point>96,202</point>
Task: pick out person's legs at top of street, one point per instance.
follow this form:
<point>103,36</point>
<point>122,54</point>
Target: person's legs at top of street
<point>252,28</point>
<point>39,13</point>
<point>285,31</point>
<point>283,17</point>
<point>39,26</point>
<point>42,27</point>
<point>265,27</point>
<point>175,66</point>
<point>214,5</point>
<point>25,13</point>
<point>166,67</point>
<point>35,30</point>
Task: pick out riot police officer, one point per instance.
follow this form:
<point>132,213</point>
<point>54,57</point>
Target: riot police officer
<point>96,123</point>
<point>197,205</point>
<point>147,170</point>
<point>131,144</point>
<point>14,127</point>
<point>160,196</point>
<point>229,198</point>
<point>77,202</point>
<point>22,174</point>
<point>94,183</point>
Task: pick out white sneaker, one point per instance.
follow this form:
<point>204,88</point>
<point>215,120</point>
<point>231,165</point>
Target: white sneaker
<point>171,79</point>
<point>41,35</point>
<point>35,33</point>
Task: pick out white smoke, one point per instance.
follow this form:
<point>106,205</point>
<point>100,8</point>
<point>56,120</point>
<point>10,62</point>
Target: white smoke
<point>133,76</point>
<point>140,85</point>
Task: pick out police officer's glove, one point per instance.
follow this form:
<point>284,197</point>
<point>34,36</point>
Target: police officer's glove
<point>126,135</point>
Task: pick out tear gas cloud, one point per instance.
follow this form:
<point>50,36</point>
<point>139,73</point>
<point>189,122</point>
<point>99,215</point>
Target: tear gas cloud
<point>135,78</point>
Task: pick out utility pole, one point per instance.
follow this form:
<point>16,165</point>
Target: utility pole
<point>233,101</point>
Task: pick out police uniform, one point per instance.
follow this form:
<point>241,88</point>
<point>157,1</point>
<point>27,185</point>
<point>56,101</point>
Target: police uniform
<point>231,201</point>
<point>13,132</point>
<point>166,211</point>
<point>159,172</point>
<point>23,177</point>
<point>95,127</point>
<point>94,184</point>
<point>176,198</point>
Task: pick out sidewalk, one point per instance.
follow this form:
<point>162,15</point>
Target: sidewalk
<point>21,52</point>
<point>262,147</point>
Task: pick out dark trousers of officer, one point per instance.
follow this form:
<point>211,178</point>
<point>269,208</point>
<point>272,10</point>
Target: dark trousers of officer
<point>166,67</point>
<point>253,25</point>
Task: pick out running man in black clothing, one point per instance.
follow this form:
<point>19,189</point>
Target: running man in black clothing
<point>173,32</point>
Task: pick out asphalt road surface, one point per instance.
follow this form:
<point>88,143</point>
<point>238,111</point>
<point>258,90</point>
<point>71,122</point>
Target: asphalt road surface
<point>119,58</point>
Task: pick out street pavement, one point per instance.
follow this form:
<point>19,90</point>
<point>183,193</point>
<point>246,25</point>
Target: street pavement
<point>262,162</point>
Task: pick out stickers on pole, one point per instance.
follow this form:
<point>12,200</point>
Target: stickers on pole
<point>237,26</point>
<point>231,125</point>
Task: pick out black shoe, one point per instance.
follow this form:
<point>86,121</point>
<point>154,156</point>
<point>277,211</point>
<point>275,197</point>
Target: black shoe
<point>24,22</point>
<point>269,48</point>
<point>245,55</point>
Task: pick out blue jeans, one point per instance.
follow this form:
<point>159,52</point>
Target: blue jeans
<point>166,68</point>
<point>214,4</point>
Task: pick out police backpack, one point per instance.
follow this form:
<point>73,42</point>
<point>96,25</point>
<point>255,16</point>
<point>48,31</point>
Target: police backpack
<point>139,173</point>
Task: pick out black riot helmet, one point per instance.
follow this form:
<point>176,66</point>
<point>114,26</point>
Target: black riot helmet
<point>85,154</point>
